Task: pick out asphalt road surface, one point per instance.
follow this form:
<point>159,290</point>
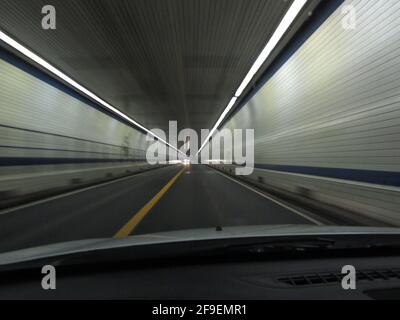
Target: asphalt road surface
<point>168,199</point>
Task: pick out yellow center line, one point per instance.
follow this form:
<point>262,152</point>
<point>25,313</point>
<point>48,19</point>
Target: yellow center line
<point>139,216</point>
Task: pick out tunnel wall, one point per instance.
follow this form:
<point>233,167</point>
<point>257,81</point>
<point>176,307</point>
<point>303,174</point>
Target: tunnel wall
<point>327,123</point>
<point>50,137</point>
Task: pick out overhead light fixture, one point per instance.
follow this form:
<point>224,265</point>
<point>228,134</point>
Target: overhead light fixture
<point>286,22</point>
<point>221,118</point>
<point>40,61</point>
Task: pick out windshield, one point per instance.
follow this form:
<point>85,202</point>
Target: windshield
<point>184,118</point>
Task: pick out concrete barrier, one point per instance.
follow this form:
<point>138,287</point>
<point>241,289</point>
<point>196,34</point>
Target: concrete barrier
<point>365,203</point>
<point>45,181</point>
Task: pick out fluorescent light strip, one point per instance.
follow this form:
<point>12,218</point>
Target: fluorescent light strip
<point>29,54</point>
<point>221,118</point>
<point>286,22</point>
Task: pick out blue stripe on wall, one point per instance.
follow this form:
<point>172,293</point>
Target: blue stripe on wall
<point>368,176</point>
<point>385,178</point>
<point>21,161</point>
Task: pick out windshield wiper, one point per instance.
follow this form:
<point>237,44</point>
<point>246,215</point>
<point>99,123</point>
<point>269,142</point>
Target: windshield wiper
<point>307,244</point>
<point>317,243</point>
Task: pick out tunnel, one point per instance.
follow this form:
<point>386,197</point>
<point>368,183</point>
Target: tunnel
<point>81,106</point>
<point>153,117</point>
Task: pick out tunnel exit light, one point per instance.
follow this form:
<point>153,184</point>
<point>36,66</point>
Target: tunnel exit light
<point>286,22</point>
<point>40,61</point>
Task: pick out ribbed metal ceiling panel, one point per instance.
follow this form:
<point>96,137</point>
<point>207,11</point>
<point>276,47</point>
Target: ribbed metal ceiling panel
<point>156,60</point>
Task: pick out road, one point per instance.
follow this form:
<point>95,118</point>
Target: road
<point>167,199</point>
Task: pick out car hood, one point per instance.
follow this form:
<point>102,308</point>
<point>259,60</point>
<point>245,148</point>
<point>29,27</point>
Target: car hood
<point>81,246</point>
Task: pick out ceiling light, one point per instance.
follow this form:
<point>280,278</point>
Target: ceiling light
<point>32,56</point>
<point>221,118</point>
<point>286,22</point>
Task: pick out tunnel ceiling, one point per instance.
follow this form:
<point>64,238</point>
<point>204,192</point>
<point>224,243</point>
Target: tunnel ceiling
<point>155,60</point>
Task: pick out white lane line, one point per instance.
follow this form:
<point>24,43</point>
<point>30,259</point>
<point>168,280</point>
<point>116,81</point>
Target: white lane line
<point>71,193</point>
<point>272,199</point>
